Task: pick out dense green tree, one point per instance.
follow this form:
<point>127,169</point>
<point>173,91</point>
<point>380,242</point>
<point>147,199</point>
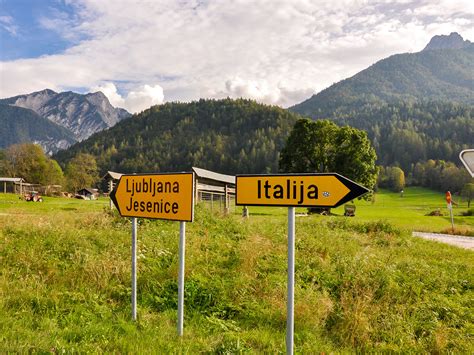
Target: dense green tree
<point>392,178</point>
<point>321,146</point>
<point>309,148</point>
<point>81,172</point>
<point>440,175</point>
<point>29,161</point>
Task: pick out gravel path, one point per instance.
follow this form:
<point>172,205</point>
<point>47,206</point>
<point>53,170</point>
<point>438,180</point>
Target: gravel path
<point>459,241</point>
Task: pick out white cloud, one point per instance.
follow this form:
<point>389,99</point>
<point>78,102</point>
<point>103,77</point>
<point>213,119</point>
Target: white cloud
<point>143,98</point>
<point>110,90</point>
<point>8,24</point>
<point>277,52</point>
<point>136,100</point>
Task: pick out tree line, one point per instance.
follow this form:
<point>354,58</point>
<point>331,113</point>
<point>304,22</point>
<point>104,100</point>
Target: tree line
<point>405,133</point>
<point>29,161</point>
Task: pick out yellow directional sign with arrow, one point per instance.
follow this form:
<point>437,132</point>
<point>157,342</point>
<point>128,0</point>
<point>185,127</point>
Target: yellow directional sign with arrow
<point>161,196</point>
<point>302,190</point>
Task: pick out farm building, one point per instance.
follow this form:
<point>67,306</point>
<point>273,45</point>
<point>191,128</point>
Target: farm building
<point>218,190</point>
<point>13,185</point>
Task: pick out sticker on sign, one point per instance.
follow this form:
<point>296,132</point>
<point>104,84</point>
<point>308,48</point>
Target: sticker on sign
<point>467,158</point>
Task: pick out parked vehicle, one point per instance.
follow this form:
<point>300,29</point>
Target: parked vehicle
<point>33,196</point>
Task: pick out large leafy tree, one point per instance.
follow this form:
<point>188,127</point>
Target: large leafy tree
<point>81,172</point>
<point>392,177</point>
<point>321,146</point>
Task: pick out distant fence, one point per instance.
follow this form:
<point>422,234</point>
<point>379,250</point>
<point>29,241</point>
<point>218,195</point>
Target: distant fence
<point>216,201</point>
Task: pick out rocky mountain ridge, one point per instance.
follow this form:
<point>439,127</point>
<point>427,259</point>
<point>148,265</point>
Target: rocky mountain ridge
<point>81,115</point>
<point>452,41</point>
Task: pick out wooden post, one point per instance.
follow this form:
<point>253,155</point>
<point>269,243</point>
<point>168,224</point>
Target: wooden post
<point>226,201</point>
<point>111,187</point>
<point>4,187</point>
<point>197,190</point>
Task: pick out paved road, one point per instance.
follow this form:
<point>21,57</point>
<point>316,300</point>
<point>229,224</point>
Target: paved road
<point>459,241</point>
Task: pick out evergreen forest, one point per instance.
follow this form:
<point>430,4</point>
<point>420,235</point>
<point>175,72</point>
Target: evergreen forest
<point>227,136</point>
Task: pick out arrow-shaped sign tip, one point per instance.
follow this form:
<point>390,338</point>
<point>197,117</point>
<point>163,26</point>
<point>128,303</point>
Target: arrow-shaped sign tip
<point>355,190</point>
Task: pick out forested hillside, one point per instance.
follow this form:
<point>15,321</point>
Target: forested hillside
<point>441,75</point>
<point>405,133</point>
<point>229,136</point>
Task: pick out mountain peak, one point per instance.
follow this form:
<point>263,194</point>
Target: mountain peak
<point>98,94</point>
<point>47,92</point>
<point>453,41</point>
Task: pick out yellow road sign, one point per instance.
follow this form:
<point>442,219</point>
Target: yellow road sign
<point>304,190</point>
<point>161,196</point>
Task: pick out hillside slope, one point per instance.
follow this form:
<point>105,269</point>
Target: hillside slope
<point>28,126</point>
<point>229,136</point>
<point>442,72</point>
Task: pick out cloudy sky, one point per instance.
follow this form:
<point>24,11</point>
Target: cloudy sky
<point>145,52</point>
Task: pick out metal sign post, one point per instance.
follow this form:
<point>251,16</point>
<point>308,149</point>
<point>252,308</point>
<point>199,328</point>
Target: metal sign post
<point>450,208</point>
<point>301,190</point>
<point>134,268</point>
<point>159,196</point>
<point>182,246</point>
<point>290,305</point>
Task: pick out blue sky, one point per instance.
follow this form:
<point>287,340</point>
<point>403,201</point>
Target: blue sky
<point>23,35</point>
<point>141,53</point>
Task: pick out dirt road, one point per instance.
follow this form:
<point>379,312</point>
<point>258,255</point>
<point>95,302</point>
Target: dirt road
<point>459,241</point>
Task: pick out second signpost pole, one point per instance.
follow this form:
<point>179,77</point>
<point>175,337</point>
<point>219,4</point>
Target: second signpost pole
<point>134,268</point>
<point>182,249</point>
<point>290,323</point>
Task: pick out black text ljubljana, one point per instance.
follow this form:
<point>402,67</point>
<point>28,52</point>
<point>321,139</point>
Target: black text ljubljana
<point>154,189</point>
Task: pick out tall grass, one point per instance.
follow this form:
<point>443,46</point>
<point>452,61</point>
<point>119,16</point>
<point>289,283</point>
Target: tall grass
<point>360,286</point>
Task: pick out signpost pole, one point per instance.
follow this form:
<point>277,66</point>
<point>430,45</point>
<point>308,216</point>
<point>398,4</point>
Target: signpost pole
<point>182,246</point>
<point>450,208</point>
<point>134,268</point>
<point>290,324</point>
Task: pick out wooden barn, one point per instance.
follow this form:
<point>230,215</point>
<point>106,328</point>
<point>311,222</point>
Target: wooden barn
<point>13,185</point>
<point>218,190</point>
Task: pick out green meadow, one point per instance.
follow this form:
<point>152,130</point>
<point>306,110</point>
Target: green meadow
<point>408,212</point>
<point>363,283</point>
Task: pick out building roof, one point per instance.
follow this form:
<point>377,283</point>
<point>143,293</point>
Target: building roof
<point>14,180</point>
<point>113,175</point>
<point>202,173</point>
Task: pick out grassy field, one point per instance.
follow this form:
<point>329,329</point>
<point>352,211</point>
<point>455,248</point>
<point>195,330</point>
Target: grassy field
<point>409,212</point>
<point>362,283</point>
